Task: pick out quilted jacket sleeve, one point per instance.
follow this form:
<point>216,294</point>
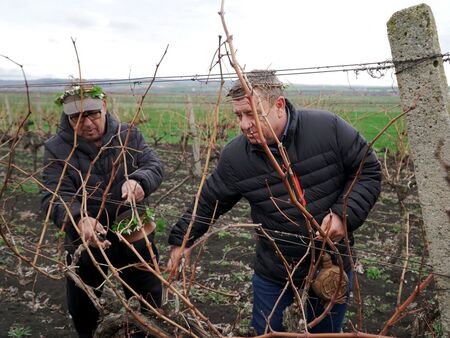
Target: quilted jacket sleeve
<point>53,170</point>
<point>150,169</point>
<point>363,195</point>
<point>219,194</point>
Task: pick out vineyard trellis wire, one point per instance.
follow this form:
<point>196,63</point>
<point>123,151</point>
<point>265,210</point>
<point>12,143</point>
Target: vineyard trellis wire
<point>200,219</point>
<point>370,67</point>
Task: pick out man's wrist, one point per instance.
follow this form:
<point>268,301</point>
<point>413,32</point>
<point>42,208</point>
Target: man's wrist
<point>336,215</point>
<point>140,182</point>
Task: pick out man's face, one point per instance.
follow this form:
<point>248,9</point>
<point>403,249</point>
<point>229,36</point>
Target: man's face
<point>275,113</point>
<point>92,125</point>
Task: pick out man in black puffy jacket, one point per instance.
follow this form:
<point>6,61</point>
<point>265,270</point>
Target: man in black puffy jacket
<point>325,153</point>
<point>85,166</point>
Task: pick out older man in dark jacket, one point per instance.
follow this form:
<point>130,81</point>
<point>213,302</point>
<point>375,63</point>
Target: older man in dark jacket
<point>84,161</point>
<point>325,153</point>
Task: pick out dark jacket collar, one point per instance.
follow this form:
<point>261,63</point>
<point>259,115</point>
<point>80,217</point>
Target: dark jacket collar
<point>294,117</point>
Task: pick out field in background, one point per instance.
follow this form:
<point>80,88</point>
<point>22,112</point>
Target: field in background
<point>163,118</point>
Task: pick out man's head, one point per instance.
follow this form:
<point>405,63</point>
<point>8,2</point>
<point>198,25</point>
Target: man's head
<point>85,107</point>
<point>269,90</point>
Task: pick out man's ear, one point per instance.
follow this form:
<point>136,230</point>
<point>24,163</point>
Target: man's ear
<point>104,105</point>
<point>281,103</point>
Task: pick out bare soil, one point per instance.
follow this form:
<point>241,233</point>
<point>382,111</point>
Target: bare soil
<point>224,271</point>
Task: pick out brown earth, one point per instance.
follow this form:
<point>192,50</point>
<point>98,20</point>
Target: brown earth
<point>225,265</point>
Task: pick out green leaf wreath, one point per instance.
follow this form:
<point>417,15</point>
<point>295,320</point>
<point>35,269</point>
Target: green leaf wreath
<point>95,92</point>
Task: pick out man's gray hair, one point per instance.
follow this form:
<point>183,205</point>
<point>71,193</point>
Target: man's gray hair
<point>268,84</point>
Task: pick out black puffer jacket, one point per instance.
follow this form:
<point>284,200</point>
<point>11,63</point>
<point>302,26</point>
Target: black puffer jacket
<point>325,152</point>
<point>143,165</point>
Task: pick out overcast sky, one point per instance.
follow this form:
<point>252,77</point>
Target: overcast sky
<point>117,38</point>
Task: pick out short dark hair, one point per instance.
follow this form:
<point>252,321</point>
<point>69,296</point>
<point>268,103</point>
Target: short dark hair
<point>265,80</point>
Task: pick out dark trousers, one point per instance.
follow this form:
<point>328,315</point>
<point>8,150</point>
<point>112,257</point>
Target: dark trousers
<point>83,312</point>
<point>265,295</point>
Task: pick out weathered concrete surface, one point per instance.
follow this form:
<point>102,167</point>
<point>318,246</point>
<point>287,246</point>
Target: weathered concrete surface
<point>197,168</point>
<point>413,36</point>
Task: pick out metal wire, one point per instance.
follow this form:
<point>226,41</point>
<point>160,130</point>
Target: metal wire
<point>370,67</point>
<point>207,221</point>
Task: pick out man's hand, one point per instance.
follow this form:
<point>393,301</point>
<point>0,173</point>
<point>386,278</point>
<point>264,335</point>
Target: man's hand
<point>333,226</point>
<point>90,230</point>
<point>131,189</point>
<point>176,255</point>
